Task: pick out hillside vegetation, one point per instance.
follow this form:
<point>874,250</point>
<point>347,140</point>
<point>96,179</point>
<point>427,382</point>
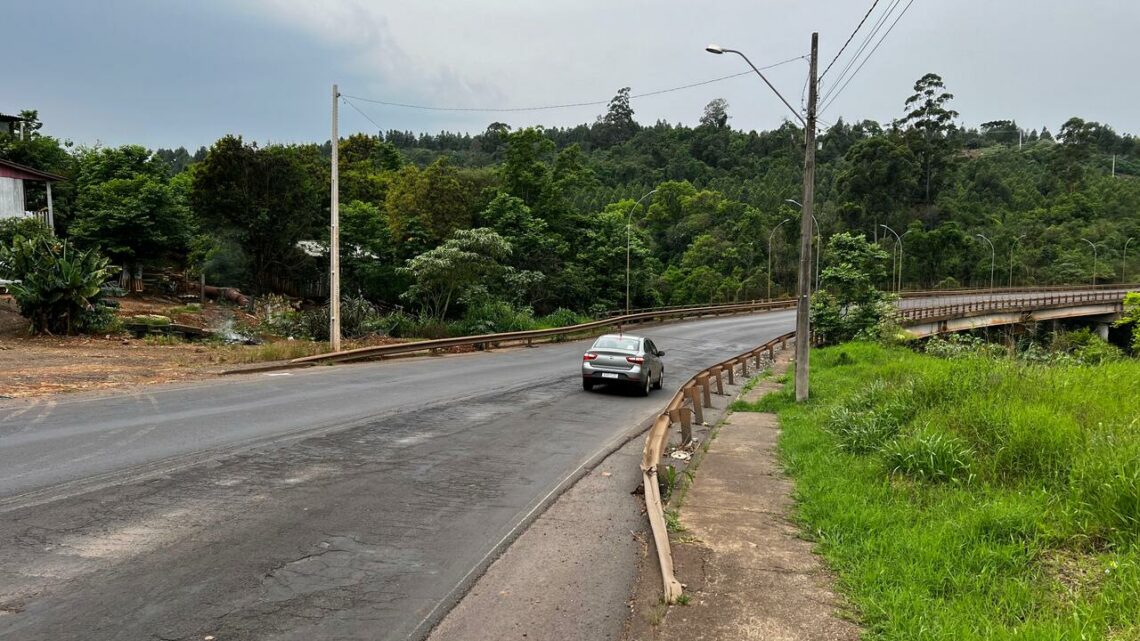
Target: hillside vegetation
<point>526,222</point>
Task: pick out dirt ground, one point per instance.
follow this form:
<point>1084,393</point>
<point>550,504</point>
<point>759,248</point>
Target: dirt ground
<point>40,365</point>
<point>34,366</point>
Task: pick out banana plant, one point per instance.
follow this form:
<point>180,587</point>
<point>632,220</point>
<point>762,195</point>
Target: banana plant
<point>57,286</point>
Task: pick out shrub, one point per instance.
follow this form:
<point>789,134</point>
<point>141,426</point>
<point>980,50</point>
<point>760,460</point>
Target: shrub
<point>358,317</point>
<point>59,286</point>
<point>562,317</point>
<point>962,346</point>
<point>11,228</point>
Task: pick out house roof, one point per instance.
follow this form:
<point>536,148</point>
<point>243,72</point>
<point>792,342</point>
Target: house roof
<point>16,170</point>
<point>7,118</point>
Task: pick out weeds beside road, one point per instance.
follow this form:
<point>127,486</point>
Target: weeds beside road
<point>972,498</point>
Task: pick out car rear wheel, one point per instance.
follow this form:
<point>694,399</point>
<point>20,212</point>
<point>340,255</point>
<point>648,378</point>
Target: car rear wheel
<point>643,390</point>
<point>660,380</point>
<point>587,384</point>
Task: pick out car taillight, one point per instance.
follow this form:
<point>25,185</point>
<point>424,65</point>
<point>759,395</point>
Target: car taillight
<point>589,356</point>
<point>635,359</point>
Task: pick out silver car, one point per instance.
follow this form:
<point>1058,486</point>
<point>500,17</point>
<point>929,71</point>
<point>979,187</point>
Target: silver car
<point>621,358</point>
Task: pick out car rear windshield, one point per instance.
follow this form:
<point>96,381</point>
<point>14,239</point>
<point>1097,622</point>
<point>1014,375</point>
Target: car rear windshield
<point>607,342</point>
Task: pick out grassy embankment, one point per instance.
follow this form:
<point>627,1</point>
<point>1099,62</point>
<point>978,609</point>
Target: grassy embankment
<point>971,498</point>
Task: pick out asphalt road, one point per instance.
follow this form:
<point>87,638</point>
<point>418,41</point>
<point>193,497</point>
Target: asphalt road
<point>353,502</point>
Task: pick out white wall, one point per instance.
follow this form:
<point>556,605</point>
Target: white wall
<point>11,198</point>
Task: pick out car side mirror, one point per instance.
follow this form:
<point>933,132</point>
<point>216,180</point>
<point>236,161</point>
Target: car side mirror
<point>661,352</point>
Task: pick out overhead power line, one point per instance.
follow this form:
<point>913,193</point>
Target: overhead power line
<point>867,40</point>
<point>361,112</point>
<point>868,57</point>
<point>849,39</point>
<point>592,103</point>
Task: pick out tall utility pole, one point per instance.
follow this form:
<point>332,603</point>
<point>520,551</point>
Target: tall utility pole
<point>803,323</point>
<point>803,327</point>
<point>334,233</point>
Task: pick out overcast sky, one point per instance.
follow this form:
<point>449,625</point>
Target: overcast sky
<point>165,73</point>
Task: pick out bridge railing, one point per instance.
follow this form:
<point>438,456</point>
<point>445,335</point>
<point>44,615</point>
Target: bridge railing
<point>1016,303</point>
<point>913,293</point>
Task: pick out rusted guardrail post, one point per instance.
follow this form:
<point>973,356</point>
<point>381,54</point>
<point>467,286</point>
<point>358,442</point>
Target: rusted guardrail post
<point>706,389</point>
<point>715,374</point>
<point>693,395</point>
<point>783,344</point>
<point>772,353</point>
<point>681,415</point>
<point>731,373</point>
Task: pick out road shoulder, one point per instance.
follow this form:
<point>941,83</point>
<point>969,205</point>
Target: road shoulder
<point>570,574</point>
<point>747,572</point>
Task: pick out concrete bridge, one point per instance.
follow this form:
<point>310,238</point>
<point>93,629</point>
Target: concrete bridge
<point>1102,306</point>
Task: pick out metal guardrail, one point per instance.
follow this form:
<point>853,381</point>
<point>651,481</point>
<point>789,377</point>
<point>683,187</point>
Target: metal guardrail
<point>687,406</point>
<point>528,337</point>
<point>660,314</point>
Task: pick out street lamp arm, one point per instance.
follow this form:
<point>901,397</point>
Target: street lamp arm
<point>719,50</point>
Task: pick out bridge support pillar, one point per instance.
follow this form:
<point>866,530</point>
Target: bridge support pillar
<point>1102,330</point>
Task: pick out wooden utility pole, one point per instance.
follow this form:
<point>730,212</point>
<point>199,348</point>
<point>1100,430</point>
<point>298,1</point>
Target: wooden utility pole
<point>334,233</point>
<point>803,303</point>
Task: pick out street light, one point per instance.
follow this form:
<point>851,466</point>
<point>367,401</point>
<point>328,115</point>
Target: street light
<point>1012,249</point>
<point>818,238</point>
<point>898,239</point>
<point>1124,262</point>
<point>770,255</point>
<point>993,258</point>
<point>803,285</point>
<point>717,49</point>
<point>1094,246</point>
<point>628,219</point>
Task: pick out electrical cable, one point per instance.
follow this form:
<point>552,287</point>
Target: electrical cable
<point>857,69</point>
<point>867,40</point>
<point>361,112</point>
<point>849,39</point>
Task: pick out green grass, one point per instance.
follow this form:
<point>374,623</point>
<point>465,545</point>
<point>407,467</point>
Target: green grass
<point>972,498</point>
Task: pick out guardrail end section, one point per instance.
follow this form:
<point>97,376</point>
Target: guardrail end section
<point>656,510</point>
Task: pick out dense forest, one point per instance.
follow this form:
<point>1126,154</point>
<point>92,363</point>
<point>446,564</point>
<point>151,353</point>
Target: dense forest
<point>537,218</point>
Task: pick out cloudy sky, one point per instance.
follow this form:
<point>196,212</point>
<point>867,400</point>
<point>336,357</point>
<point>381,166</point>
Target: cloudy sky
<point>165,73</point>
